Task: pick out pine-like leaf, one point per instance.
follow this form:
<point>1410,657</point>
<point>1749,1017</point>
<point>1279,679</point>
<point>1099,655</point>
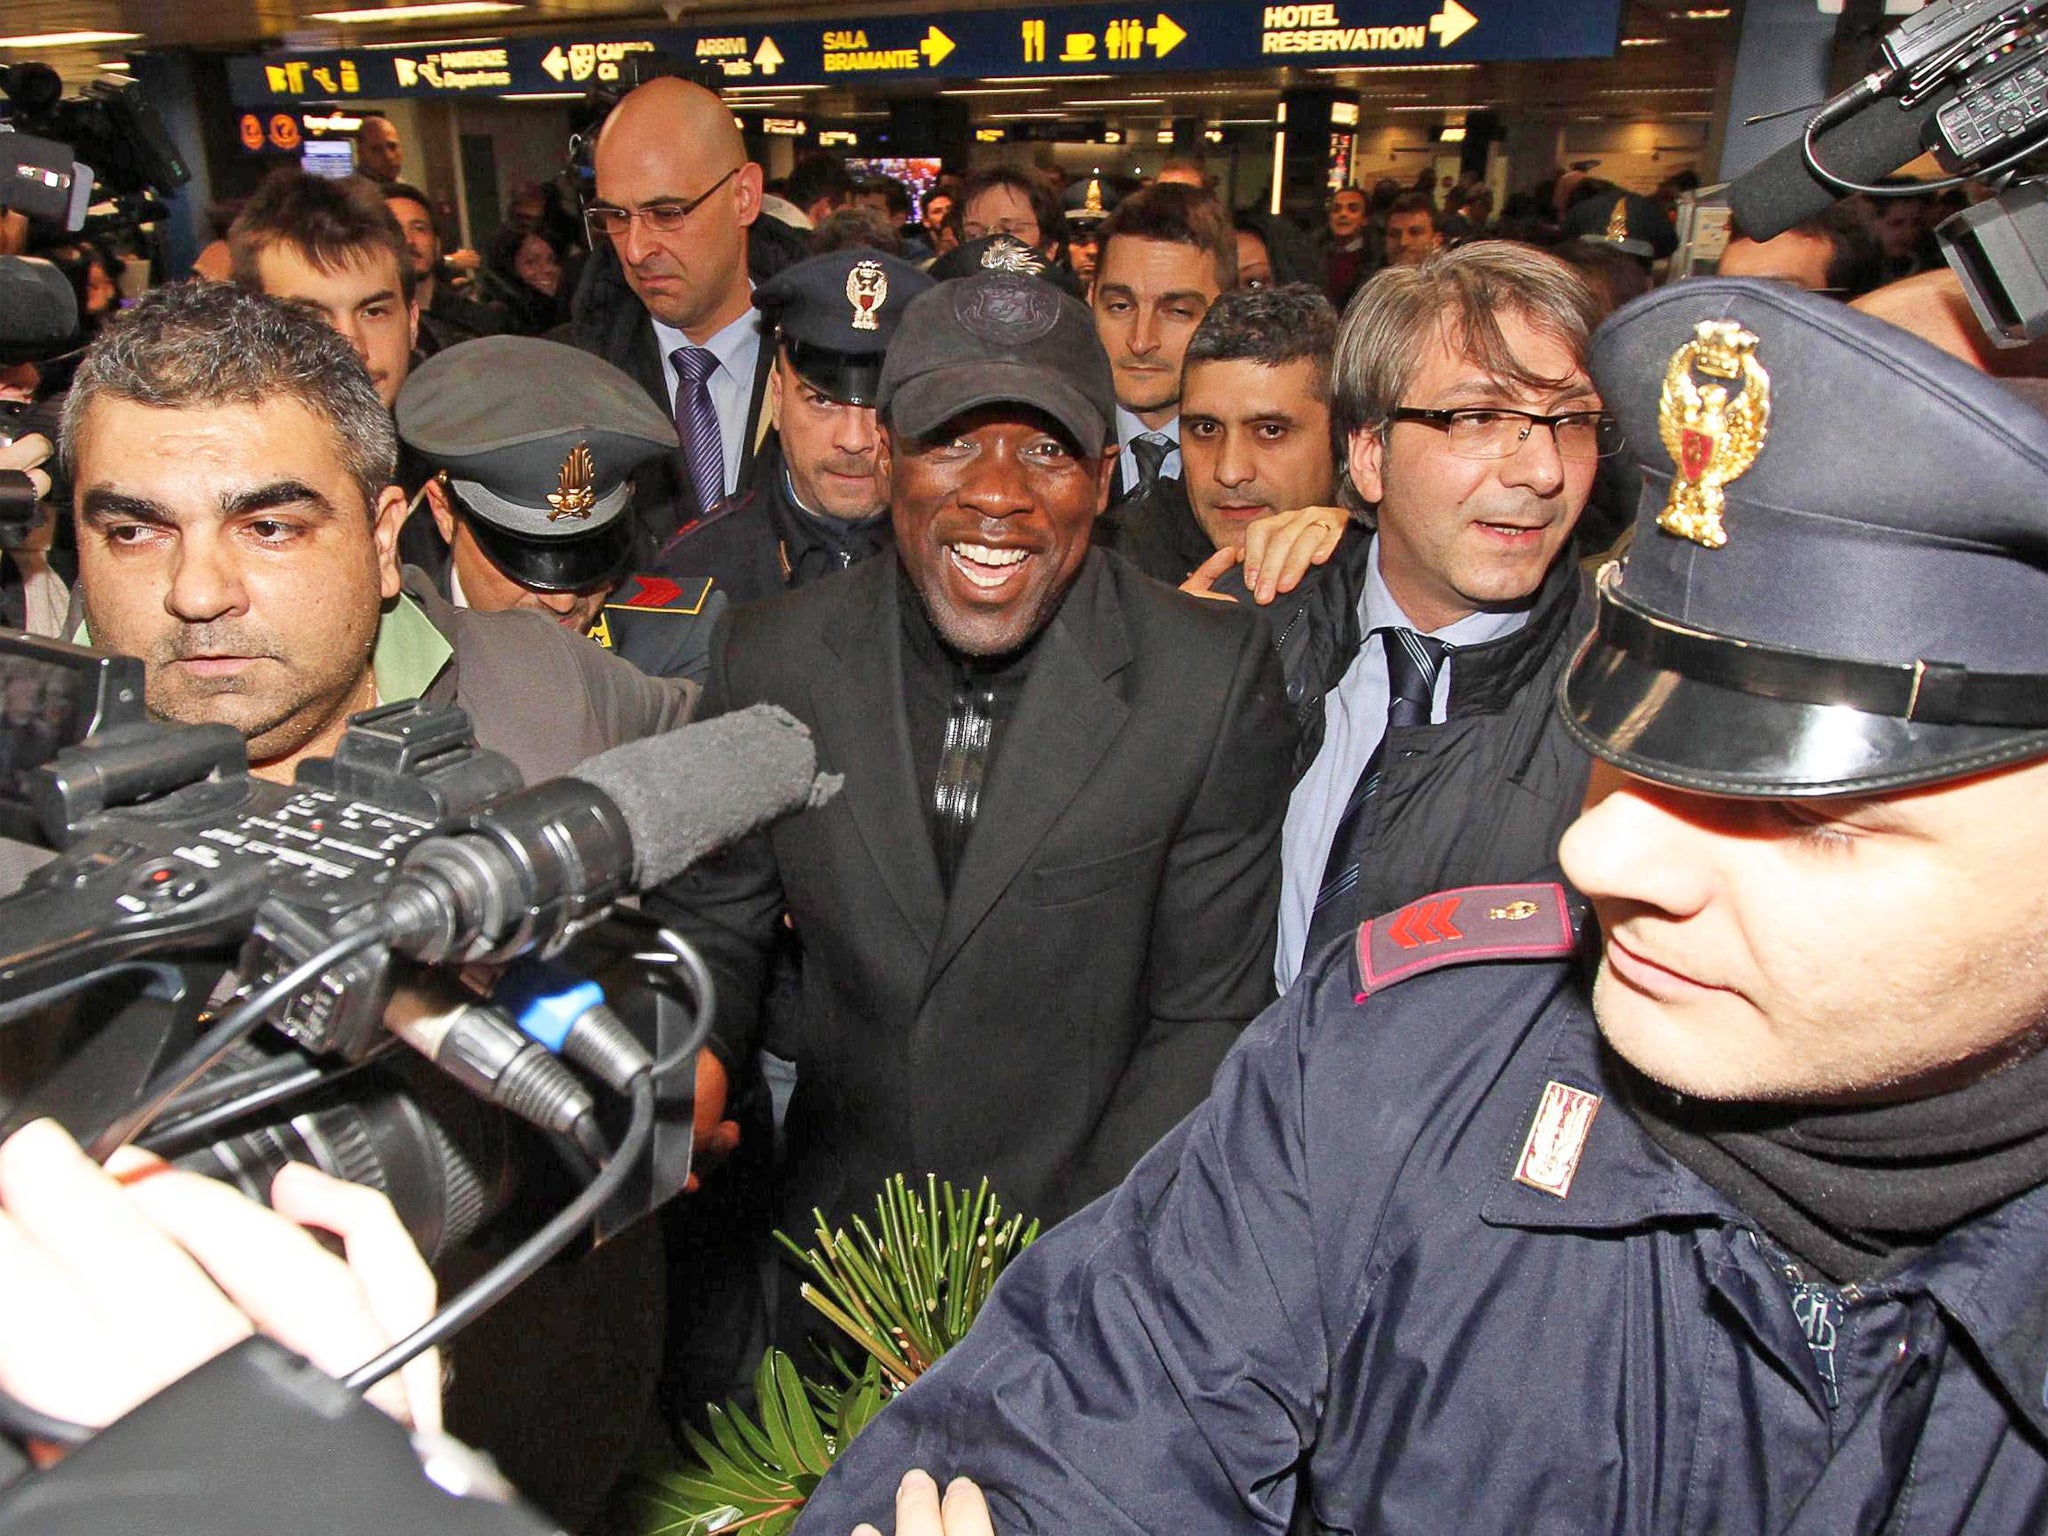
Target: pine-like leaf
<point>905,1290</point>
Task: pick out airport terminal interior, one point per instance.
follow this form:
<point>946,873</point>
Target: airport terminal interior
<point>1278,103</point>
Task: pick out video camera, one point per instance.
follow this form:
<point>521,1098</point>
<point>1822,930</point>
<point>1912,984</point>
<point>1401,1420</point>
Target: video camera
<point>110,137</point>
<point>189,903</point>
<point>1968,80</point>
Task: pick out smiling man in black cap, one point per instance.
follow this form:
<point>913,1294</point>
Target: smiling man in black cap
<point>820,498</point>
<point>1033,921</point>
<point>534,447</point>
<point>1749,1231</point>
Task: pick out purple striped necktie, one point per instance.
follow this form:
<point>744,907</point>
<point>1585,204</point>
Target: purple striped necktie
<point>697,423</point>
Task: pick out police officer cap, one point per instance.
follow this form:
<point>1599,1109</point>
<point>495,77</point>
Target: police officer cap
<point>1090,202</point>
<point>1839,562</point>
<point>1626,221</point>
<point>1002,253</point>
<point>835,314</point>
<point>539,442</point>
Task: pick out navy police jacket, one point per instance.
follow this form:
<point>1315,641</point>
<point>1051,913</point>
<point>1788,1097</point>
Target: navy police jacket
<point>1414,1262</point>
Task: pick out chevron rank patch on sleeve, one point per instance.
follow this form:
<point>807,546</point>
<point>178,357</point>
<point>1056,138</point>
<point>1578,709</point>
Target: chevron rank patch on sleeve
<point>1477,922</point>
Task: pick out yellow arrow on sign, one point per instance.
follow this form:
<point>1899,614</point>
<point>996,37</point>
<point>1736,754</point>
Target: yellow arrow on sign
<point>768,57</point>
<point>556,63</point>
<point>1452,22</point>
<point>1165,34</point>
<point>935,47</point>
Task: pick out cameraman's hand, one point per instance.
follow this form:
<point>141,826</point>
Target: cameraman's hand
<point>29,454</point>
<point>121,1280</point>
<point>920,1511</point>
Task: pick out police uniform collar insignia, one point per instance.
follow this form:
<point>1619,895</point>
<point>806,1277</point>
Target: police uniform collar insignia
<point>574,495</point>
<point>867,289</point>
<point>1478,922</point>
<point>1712,438</point>
<point>1557,1138</point>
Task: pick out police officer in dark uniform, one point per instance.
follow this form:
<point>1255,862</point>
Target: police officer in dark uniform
<point>533,446</point>
<point>819,502</point>
<point>1738,1223</point>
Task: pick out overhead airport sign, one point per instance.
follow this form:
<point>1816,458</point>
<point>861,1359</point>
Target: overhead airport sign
<point>968,44</point>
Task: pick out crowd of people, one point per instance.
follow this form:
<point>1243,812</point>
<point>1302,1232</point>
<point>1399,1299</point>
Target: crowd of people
<point>1189,601</point>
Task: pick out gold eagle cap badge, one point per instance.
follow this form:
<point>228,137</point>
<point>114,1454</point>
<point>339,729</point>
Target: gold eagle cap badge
<point>1713,438</point>
<point>867,289</point>
<point>573,495</point>
<point>1617,221</point>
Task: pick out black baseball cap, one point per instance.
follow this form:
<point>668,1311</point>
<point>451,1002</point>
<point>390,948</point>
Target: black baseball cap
<point>999,339</point>
<point>1839,562</point>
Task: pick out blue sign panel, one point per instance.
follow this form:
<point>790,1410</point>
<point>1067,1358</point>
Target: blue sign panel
<point>956,45</point>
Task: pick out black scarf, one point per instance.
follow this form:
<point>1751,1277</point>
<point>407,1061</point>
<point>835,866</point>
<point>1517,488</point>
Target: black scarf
<point>1857,1193</point>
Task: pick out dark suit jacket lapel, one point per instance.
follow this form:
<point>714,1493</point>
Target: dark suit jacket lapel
<point>647,364</point>
<point>757,415</point>
<point>1065,721</point>
<point>861,712</point>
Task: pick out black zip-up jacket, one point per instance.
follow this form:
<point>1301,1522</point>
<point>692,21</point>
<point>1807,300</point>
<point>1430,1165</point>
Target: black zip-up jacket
<point>761,542</point>
<point>1480,799</point>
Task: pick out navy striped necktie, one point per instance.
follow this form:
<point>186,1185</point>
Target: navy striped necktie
<point>1413,662</point>
<point>697,423</point>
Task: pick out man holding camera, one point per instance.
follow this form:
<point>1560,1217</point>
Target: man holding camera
<point>237,529</point>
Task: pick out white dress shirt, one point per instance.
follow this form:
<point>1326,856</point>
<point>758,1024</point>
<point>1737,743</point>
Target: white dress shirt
<point>738,350</point>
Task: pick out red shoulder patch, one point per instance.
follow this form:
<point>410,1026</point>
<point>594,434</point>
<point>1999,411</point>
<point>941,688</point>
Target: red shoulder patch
<point>1477,922</point>
<point>661,594</point>
<point>652,592</point>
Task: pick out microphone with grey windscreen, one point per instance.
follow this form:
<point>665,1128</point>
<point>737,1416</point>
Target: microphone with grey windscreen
<point>38,310</point>
<point>692,791</point>
<point>1866,146</point>
<point>528,871</point>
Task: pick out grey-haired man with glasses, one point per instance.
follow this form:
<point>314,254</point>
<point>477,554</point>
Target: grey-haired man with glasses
<point>1471,435</point>
<point>669,299</point>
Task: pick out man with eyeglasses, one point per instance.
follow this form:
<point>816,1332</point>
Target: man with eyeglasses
<point>672,303</point>
<point>1472,436</point>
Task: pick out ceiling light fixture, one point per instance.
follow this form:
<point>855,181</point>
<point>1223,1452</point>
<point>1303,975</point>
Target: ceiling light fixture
<point>373,15</point>
<point>67,39</point>
<point>431,42</point>
<point>1005,90</point>
<point>1127,101</point>
<point>1386,69</point>
<point>542,96</point>
<point>1644,42</point>
<point>1042,79</point>
<point>773,90</point>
